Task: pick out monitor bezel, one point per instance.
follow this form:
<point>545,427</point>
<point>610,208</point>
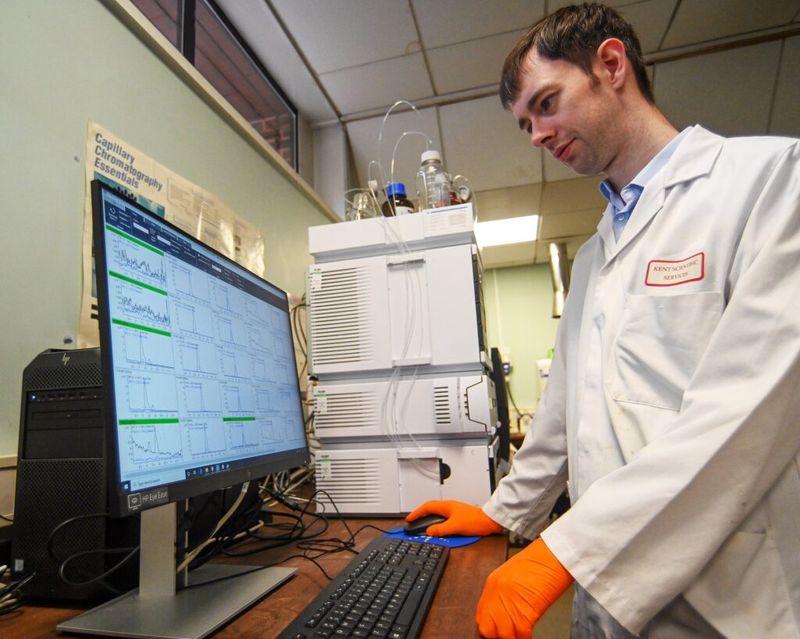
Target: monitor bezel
<point>188,487</point>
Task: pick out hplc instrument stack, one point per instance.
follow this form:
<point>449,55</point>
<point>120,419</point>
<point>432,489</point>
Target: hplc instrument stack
<point>404,408</point>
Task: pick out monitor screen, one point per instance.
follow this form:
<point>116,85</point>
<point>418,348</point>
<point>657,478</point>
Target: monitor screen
<point>199,367</point>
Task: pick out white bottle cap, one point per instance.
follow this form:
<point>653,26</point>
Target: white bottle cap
<point>430,155</point>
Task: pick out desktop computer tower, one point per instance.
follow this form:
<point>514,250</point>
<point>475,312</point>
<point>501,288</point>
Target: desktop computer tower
<point>61,474</point>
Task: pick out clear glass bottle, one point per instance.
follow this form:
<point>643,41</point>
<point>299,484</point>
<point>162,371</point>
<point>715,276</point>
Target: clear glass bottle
<point>433,182</point>
<point>361,208</point>
<point>396,201</point>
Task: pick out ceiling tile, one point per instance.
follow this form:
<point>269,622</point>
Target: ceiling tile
<point>554,170</point>
<point>482,142</point>
<point>785,112</point>
<point>650,20</point>
<point>378,84</point>
<point>498,204</point>
<point>508,255</point>
<point>444,22</point>
<point>346,33</point>
<point>470,64</point>
<point>728,92</point>
<point>561,225</point>
<point>367,55</point>
<point>700,20</point>
<point>648,17</point>
<point>574,195</point>
<point>363,136</point>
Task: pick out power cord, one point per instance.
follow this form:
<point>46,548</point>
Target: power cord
<point>243,516</point>
<point>63,564</point>
<point>299,331</point>
<point>294,531</point>
<point>302,534</point>
<point>101,578</point>
<point>190,556</point>
<point>520,415</point>
<point>11,593</point>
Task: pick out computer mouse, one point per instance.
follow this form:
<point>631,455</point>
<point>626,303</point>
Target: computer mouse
<point>419,526</point>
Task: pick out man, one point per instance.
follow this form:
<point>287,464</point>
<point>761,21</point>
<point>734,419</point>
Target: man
<point>672,411</point>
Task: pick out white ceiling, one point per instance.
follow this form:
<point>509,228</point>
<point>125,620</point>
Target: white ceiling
<point>731,65</point>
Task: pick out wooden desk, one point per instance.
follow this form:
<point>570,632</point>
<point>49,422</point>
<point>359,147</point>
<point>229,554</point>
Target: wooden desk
<point>452,613</point>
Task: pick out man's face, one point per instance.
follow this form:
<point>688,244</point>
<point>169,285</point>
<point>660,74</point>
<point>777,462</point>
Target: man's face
<point>567,112</point>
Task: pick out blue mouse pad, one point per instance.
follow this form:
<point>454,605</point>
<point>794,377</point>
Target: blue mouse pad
<point>450,542</point>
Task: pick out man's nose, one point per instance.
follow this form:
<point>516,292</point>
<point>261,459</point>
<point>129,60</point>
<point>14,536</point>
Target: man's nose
<point>540,136</point>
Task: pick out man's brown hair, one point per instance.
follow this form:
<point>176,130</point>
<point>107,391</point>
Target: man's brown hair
<point>573,34</point>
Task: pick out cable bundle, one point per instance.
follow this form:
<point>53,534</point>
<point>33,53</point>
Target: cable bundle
<point>10,593</point>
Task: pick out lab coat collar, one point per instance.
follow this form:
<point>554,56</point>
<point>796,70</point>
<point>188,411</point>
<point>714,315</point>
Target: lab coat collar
<point>694,158</point>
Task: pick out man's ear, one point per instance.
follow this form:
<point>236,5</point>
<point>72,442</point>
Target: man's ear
<point>612,62</point>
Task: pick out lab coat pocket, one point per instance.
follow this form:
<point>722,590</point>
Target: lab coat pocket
<point>783,511</point>
<point>742,591</point>
<point>660,341</point>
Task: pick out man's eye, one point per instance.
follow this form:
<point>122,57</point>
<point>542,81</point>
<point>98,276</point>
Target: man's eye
<point>545,104</point>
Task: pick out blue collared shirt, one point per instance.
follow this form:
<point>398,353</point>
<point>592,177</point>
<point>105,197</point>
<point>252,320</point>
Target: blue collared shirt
<point>623,203</point>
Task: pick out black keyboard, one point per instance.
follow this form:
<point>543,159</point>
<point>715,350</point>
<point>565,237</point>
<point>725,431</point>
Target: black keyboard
<point>385,591</point>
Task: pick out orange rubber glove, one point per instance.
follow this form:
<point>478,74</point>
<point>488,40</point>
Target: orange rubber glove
<point>462,519</point>
<point>517,593</point>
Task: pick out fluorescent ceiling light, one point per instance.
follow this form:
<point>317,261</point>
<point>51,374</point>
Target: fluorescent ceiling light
<point>512,230</point>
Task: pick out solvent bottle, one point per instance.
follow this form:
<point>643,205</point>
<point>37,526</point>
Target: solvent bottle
<point>433,182</point>
<point>396,201</point>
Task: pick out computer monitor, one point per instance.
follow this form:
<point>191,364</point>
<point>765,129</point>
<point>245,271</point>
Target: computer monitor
<point>201,392</point>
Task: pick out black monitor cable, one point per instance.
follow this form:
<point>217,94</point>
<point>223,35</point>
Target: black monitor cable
<point>212,538</point>
<point>63,564</point>
<point>293,531</point>
<point>101,578</point>
<point>243,520</point>
<point>312,544</point>
<point>298,532</point>
<point>303,535</point>
<point>313,550</point>
<point>290,533</point>
<point>244,524</point>
<point>308,424</point>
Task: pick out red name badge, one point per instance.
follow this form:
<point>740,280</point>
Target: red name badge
<point>674,272</point>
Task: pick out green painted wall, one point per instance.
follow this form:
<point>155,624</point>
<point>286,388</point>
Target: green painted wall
<point>64,63</point>
<point>519,306</point>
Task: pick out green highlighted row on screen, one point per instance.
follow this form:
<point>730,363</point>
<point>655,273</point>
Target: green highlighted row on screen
<point>140,327</point>
<point>172,420</point>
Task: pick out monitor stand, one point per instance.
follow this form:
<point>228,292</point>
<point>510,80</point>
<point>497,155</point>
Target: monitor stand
<point>156,611</point>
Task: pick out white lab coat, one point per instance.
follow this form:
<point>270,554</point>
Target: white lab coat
<point>694,318</point>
